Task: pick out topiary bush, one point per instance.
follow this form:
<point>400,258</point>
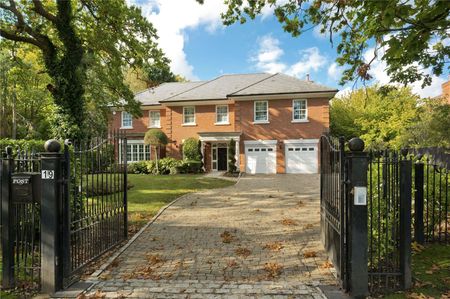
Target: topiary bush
<point>191,149</point>
<point>232,156</point>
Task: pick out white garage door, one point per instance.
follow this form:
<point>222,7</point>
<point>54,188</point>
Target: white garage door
<point>301,158</point>
<point>261,159</point>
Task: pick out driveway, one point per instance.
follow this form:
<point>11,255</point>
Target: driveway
<point>258,238</point>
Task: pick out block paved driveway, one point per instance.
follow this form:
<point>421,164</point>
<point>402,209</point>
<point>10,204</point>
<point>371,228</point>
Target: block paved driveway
<point>257,239</point>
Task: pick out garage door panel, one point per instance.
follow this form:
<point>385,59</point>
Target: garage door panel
<point>260,159</point>
<point>301,158</point>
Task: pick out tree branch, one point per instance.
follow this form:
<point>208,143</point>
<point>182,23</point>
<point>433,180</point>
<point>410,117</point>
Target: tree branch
<point>39,8</point>
<point>19,38</point>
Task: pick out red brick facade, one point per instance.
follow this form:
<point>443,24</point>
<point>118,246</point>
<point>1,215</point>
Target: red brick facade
<point>241,119</point>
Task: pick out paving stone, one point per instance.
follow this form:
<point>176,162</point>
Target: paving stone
<point>196,263</point>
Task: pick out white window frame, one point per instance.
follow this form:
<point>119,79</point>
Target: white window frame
<point>184,120</point>
<point>266,121</point>
<point>227,122</point>
<point>306,111</point>
<point>131,121</point>
<point>147,151</point>
<point>150,119</point>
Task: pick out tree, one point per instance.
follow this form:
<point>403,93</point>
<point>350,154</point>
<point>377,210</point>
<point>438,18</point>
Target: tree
<point>378,115</point>
<point>85,47</point>
<point>431,127</point>
<point>156,138</point>
<point>408,35</point>
<point>232,156</point>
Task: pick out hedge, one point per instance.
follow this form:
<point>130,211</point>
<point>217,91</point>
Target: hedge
<point>22,144</point>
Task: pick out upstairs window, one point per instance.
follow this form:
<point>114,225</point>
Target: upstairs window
<point>261,111</point>
<point>155,119</point>
<point>299,110</point>
<point>222,114</point>
<point>127,120</point>
<point>189,115</point>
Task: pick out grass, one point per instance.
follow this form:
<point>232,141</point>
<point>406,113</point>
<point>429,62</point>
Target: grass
<point>431,274</point>
<point>150,193</point>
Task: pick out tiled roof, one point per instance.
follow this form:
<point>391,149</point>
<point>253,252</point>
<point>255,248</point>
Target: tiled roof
<point>153,96</point>
<point>226,86</point>
<point>281,83</point>
<point>219,88</point>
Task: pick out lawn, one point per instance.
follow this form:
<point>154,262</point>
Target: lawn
<point>431,273</point>
<point>150,193</point>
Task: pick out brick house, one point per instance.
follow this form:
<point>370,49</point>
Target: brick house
<point>276,121</point>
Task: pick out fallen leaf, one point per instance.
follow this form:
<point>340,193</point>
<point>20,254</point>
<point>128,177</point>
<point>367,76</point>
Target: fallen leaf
<point>273,269</point>
<point>274,246</point>
<point>227,237</point>
<point>309,253</point>
<point>326,265</point>
<point>288,222</point>
<point>244,252</point>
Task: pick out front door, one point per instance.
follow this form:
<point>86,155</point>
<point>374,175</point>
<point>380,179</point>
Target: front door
<point>222,159</point>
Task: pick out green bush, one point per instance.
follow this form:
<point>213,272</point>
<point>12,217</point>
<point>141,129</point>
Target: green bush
<point>191,149</point>
<point>22,144</point>
<point>231,156</point>
<point>192,166</point>
<point>138,167</point>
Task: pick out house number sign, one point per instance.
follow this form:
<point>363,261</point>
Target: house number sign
<point>48,174</point>
<point>360,194</point>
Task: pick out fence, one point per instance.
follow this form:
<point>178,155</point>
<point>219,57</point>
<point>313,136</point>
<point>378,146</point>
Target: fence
<point>407,201</point>
<point>69,206</point>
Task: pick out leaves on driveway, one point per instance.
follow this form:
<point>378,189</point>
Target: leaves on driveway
<point>309,253</point>
<point>227,237</point>
<point>244,252</point>
<point>288,222</point>
<point>274,246</point>
<point>273,269</point>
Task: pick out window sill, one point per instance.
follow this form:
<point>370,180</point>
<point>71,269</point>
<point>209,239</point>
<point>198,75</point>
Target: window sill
<point>300,121</point>
<point>222,124</point>
<point>264,122</point>
<point>126,128</point>
<point>154,127</point>
<point>188,125</point>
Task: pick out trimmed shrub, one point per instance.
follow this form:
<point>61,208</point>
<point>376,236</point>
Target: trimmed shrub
<point>22,144</point>
<point>138,167</point>
<point>232,156</point>
<point>192,166</point>
<point>191,149</point>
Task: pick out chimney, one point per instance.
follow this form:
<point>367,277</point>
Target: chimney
<point>307,77</point>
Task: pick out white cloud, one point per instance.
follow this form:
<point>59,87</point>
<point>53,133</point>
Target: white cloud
<point>269,54</point>
<point>379,74</point>
<point>335,71</point>
<point>172,18</point>
<point>311,60</point>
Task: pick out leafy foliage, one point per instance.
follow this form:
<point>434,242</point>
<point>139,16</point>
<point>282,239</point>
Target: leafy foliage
<point>155,137</point>
<point>191,149</point>
<point>81,65</point>
<point>408,35</point>
<point>232,156</point>
<point>432,125</point>
<point>165,166</point>
<point>22,144</point>
<point>378,115</point>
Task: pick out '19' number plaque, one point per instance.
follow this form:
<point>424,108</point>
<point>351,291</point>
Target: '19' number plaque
<point>47,174</point>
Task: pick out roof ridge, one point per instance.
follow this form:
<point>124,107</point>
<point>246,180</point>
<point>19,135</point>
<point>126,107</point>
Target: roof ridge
<point>204,82</point>
<point>253,84</point>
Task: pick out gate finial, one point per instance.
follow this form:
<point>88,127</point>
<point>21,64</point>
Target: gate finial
<point>52,146</point>
<point>356,144</point>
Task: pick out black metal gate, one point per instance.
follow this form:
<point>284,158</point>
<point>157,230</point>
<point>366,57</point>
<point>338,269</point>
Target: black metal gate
<point>333,204</point>
<point>90,209</point>
<point>95,200</point>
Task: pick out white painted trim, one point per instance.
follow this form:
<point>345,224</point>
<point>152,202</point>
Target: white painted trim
<point>254,113</point>
<point>260,142</point>
<point>121,121</point>
<point>261,122</point>
<point>228,116</point>
<point>198,103</point>
<point>222,124</point>
<point>219,138</point>
<point>194,123</point>
<point>300,121</point>
<point>301,141</point>
<point>150,119</point>
<point>189,125</point>
<point>126,128</point>
<point>306,108</point>
<point>287,96</point>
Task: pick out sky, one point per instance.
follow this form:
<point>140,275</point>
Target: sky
<point>200,47</point>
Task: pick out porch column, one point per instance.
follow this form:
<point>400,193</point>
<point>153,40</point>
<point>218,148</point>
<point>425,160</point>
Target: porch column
<point>237,155</point>
<point>202,150</point>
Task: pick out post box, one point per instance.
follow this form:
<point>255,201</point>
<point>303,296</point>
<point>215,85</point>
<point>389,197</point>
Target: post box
<point>26,187</point>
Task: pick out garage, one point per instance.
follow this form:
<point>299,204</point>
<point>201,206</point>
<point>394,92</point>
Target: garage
<point>301,157</point>
<point>261,156</point>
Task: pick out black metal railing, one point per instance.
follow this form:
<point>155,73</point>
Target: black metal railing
<point>95,196</point>
<point>21,251</point>
<point>383,206</point>
<point>332,202</point>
